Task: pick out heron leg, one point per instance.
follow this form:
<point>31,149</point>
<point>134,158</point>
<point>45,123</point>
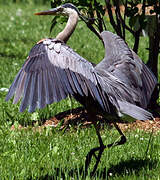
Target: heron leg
<point>122,138</point>
<point>93,151</point>
<point>101,148</point>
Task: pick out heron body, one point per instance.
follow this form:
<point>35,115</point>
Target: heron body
<point>120,83</point>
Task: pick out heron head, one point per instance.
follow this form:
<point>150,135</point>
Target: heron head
<point>65,9</point>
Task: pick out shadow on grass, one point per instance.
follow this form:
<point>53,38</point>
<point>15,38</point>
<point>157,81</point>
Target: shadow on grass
<point>129,167</point>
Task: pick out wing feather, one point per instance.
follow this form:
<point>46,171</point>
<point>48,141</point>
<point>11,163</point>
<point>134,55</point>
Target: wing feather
<point>51,73</point>
<point>19,90</point>
<point>14,85</point>
<point>60,84</point>
<point>65,82</point>
<point>33,99</point>
<point>26,93</point>
<point>149,81</point>
<point>78,88</point>
<point>82,84</point>
<point>40,95</point>
<point>55,88</point>
<point>94,92</point>
<point>52,88</point>
<point>46,86</point>
<point>70,80</point>
<point>126,72</point>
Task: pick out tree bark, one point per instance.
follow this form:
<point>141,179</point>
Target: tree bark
<point>154,45</point>
<point>136,42</point>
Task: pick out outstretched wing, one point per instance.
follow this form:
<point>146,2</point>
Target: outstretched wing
<point>149,80</point>
<point>51,72</point>
<point>125,66</point>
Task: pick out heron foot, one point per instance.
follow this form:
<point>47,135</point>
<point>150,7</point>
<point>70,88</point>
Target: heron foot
<point>120,142</point>
<point>93,151</point>
<point>97,157</point>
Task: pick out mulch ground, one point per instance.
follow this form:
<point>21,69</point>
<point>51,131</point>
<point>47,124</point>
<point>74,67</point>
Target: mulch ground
<point>78,117</point>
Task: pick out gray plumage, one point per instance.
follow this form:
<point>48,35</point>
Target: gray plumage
<point>53,71</point>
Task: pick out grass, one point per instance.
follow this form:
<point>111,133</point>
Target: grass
<point>51,153</point>
<point>28,154</point>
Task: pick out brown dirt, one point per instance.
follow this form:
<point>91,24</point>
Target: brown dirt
<point>79,116</point>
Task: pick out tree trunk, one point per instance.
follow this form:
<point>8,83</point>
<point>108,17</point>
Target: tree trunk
<point>152,63</point>
<point>136,42</point>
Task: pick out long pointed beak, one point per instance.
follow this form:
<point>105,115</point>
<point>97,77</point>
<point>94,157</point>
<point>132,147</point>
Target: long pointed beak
<point>49,12</point>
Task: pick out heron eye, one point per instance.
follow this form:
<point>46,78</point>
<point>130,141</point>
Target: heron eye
<point>60,9</point>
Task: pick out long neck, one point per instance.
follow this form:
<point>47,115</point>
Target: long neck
<point>69,28</point>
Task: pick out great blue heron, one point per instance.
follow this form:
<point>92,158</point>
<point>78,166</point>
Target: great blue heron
<point>120,83</point>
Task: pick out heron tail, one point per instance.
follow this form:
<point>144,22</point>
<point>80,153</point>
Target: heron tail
<point>134,111</point>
